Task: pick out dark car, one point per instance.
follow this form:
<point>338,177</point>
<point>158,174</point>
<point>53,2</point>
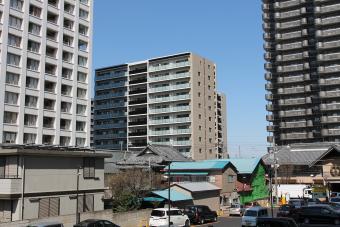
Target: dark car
<point>276,222</point>
<point>200,214</point>
<point>318,214</point>
<point>96,223</point>
<point>285,210</point>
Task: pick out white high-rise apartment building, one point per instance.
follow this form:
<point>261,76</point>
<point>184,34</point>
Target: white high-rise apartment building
<point>45,66</point>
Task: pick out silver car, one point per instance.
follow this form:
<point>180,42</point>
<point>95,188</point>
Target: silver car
<point>236,209</point>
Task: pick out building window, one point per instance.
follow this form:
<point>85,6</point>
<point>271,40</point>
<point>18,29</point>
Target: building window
<point>66,73</point>
<point>14,40</point>
<point>199,94</point>
<point>33,46</point>
<point>208,87</point>
<point>200,150</point>
<point>16,4</point>
<point>67,56</point>
<point>35,11</point>
<point>80,126</point>
<point>11,98</point>
<point>31,101</point>
<point>8,169</point>
<point>65,107</point>
<point>64,141</point>
<point>51,34</point>
<point>82,61</point>
<point>30,120</point>
<point>81,93</point>
<point>210,140</point>
<point>32,83</point>
<point>199,83</point>
<point>48,139</point>
<point>199,73</point>
<point>86,203</point>
<point>82,45</point>
<point>12,78</point>
<point>200,127</point>
<point>33,64</point>
<point>199,116</point>
<point>13,59</point>
<point>208,77</point>
<point>83,14</point>
<point>9,137</point>
<point>53,3</point>
<point>200,139</point>
<point>48,207</point>
<point>34,28</point>
<point>68,8</point>
<point>209,129</point>
<point>67,40</point>
<point>50,69</point>
<point>81,109</point>
<point>209,107</point>
<point>68,24</point>
<point>231,178</point>
<point>80,142</point>
<point>15,22</point>
<point>10,117</point>
<point>82,77</point>
<point>199,105</point>
<point>83,29</point>
<point>48,122</point>
<point>85,2</point>
<point>209,97</point>
<point>30,138</point>
<point>89,167</point>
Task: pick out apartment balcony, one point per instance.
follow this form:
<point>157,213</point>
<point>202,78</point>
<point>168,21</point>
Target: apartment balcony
<point>327,9</point>
<point>182,143</point>
<point>107,116</point>
<point>138,70</point>
<point>330,106</point>
<point>171,76</point>
<point>268,36</point>
<point>10,186</point>
<point>290,14</point>
<point>138,133</point>
<point>268,66</point>
<point>266,26</point>
<point>329,94</point>
<point>270,117</point>
<point>138,81</point>
<point>108,126</point>
<point>169,98</point>
<point>170,121</point>
<point>135,144</point>
<point>268,46</point>
<point>270,107</point>
<point>111,85</point>
<point>328,33</point>
<point>161,143</point>
<point>328,45</point>
<point>270,139</point>
<point>265,7</point>
<point>269,86</point>
<point>170,109</point>
<point>110,105</point>
<point>297,101</point>
<point>265,16</point>
<point>169,88</point>
<point>294,136</point>
<point>113,75</point>
<point>288,4</point>
<point>269,97</point>
<point>292,68</point>
<point>292,46</point>
<point>268,56</point>
<point>330,81</point>
<point>295,113</point>
<point>160,133</point>
<point>330,132</point>
<point>327,20</point>
<point>329,57</point>
<point>138,101</point>
<point>138,111</point>
<point>330,119</point>
<point>291,24</point>
<point>329,69</point>
<point>296,124</point>
<point>137,91</point>
<point>270,128</point>
<point>292,57</point>
<point>181,131</point>
<point>268,76</point>
<point>169,66</point>
<point>139,122</point>
<point>291,35</point>
<point>110,136</point>
<point>293,79</point>
<point>294,90</point>
<point>110,95</point>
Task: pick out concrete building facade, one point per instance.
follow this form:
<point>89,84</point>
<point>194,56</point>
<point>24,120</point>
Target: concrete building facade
<point>45,60</point>
<point>221,125</point>
<point>167,101</point>
<point>302,44</point>
<point>39,182</point>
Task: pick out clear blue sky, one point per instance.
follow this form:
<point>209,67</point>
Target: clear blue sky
<point>229,32</point>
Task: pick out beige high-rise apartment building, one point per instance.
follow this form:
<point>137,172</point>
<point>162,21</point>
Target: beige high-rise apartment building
<point>168,100</point>
<point>45,66</point>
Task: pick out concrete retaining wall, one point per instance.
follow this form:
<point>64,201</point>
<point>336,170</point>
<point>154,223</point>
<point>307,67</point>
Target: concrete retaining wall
<point>125,219</point>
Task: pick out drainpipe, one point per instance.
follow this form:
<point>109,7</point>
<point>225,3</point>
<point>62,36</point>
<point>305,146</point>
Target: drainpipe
<point>22,185</point>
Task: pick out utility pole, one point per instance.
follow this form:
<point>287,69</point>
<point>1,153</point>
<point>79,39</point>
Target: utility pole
<point>77,206</point>
<point>169,203</point>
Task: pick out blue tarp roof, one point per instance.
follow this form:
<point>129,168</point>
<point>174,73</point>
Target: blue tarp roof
<point>199,165</point>
<point>174,195</point>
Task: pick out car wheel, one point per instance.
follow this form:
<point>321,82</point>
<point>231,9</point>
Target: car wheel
<point>336,221</point>
<point>201,221</point>
<point>306,221</point>
<point>187,223</point>
<point>215,219</point>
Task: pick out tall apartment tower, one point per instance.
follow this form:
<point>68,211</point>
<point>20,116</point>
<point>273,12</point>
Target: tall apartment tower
<point>302,43</point>
<point>221,125</point>
<point>45,67</point>
<point>167,100</point>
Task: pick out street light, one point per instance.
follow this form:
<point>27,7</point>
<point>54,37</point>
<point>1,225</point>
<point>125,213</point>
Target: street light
<point>77,206</point>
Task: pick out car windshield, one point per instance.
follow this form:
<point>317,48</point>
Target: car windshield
<point>335,200</point>
<point>157,213</point>
<point>251,213</point>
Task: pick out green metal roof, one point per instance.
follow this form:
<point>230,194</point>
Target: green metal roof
<point>189,173</point>
<point>199,165</point>
<point>174,195</point>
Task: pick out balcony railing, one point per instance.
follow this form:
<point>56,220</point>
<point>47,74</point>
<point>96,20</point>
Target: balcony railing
<point>330,132</point>
<point>170,121</point>
<point>169,77</point>
<point>292,68</point>
<point>295,113</point>
<point>329,94</point>
<point>170,109</point>
<point>327,9</point>
<point>168,66</point>
<point>110,95</point>
<point>291,24</point>
<point>297,101</point>
<point>160,133</point>
<point>139,70</point>
<point>329,69</point>
<point>138,111</point>
<point>110,105</point>
<point>292,13</point>
<point>328,20</point>
<point>287,4</point>
<point>182,143</point>
<point>139,81</point>
<point>300,124</point>
<point>330,106</point>
<point>10,186</point>
<point>291,35</point>
<point>111,76</point>
<point>328,45</point>
<point>292,46</point>
<point>143,122</point>
<point>111,135</point>
<point>169,98</point>
<point>329,57</point>
<point>161,142</point>
<point>292,136</point>
<point>330,119</point>
<point>169,88</point>
<point>113,125</point>
<point>328,33</point>
<point>293,79</point>
<point>330,81</point>
<point>137,101</point>
<point>294,90</point>
<point>111,85</point>
<point>111,115</point>
<point>292,57</point>
<point>137,91</point>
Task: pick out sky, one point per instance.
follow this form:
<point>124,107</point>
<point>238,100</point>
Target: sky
<point>227,32</point>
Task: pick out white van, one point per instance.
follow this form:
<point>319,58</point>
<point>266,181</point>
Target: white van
<point>251,214</point>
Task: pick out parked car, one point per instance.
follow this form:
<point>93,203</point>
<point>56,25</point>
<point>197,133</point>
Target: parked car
<point>318,214</point>
<point>46,224</point>
<point>95,223</point>
<point>251,215</point>
<point>311,201</point>
<point>335,194</point>
<point>335,200</point>
<point>200,214</point>
<point>277,222</point>
<point>236,209</point>
<point>285,210</point>
<point>297,203</point>
<point>160,217</point>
